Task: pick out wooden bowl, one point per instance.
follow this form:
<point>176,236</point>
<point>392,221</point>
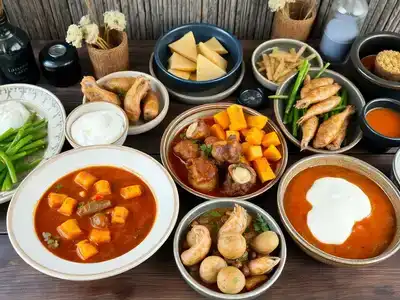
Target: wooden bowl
<point>206,110</point>
<point>360,167</point>
<point>355,98</point>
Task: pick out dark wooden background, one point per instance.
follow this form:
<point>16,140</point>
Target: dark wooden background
<point>148,19</point>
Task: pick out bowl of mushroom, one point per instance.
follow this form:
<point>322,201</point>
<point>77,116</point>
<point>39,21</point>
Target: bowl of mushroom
<point>144,99</point>
<point>228,249</point>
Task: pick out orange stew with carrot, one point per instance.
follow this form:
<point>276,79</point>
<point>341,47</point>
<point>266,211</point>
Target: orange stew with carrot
<point>95,214</point>
<point>369,238</point>
<point>384,121</point>
<point>226,155</point>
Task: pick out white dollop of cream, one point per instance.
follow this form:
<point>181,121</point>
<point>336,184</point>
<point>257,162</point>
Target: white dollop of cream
<point>337,205</point>
<point>97,128</point>
<point>13,114</point>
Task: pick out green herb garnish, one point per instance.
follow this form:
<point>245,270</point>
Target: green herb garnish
<point>182,135</point>
<point>52,241</point>
<point>260,225</point>
<point>206,149</point>
<point>80,204</point>
<point>59,187</point>
<point>212,213</point>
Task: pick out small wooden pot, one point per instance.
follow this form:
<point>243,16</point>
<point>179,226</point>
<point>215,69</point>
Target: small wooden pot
<point>285,26</point>
<point>113,60</point>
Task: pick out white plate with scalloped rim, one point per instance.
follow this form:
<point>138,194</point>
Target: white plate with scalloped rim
<point>20,215</point>
<point>46,105</point>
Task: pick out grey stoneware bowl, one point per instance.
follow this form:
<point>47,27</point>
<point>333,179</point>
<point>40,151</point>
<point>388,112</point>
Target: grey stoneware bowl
<point>202,32</point>
<point>360,167</point>
<point>372,85</point>
<point>355,98</point>
<point>283,44</point>
<point>183,228</point>
<point>378,142</point>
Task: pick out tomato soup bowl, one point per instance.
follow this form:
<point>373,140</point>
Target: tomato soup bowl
<point>252,209</point>
<point>354,165</point>
<point>24,204</point>
<point>208,110</point>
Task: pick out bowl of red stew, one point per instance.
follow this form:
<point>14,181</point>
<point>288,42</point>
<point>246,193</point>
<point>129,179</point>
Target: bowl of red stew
<point>224,150</point>
<point>340,210</point>
<point>92,212</point>
<point>229,249</point>
<point>380,123</point>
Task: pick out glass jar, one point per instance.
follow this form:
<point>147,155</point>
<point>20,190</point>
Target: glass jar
<point>344,23</point>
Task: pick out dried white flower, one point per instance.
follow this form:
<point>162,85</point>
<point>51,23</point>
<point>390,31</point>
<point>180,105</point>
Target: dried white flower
<point>115,20</point>
<point>74,36</point>
<point>276,5</point>
<point>85,20</point>
<point>90,33</point>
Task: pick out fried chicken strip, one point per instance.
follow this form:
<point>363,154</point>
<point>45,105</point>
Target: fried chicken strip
<point>320,108</point>
<point>94,92</point>
<point>313,84</point>
<point>308,128</point>
<point>317,95</point>
<point>337,142</point>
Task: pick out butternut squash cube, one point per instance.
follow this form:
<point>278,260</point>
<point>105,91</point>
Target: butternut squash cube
<point>254,136</point>
<point>257,121</point>
<point>69,229</point>
<point>253,153</point>
<point>55,200</point>
<point>263,169</point>
<point>272,153</point>
<point>119,215</point>
<point>102,187</point>
<point>236,117</point>
<point>245,147</point>
<point>233,132</point>
<point>222,119</point>
<point>271,138</point>
<point>218,132</point>
<point>131,191</point>
<point>85,179</point>
<point>86,250</point>
<point>68,206</point>
<point>99,236</point>
<point>244,132</point>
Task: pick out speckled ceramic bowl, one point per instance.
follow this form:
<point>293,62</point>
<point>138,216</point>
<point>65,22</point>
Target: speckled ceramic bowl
<point>182,230</point>
<point>208,110</point>
<point>360,167</point>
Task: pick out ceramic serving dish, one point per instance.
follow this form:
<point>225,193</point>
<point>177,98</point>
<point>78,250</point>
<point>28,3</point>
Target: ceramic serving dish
<point>183,228</point>
<point>360,167</point>
<point>196,98</point>
<point>208,110</point>
<point>376,141</point>
<point>156,86</point>
<point>372,85</point>
<point>20,216</point>
<point>202,32</point>
<point>93,107</point>
<point>395,173</point>
<point>283,44</point>
<point>355,98</point>
<point>46,105</point>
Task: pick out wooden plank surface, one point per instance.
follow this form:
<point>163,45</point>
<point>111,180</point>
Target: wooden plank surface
<point>158,278</point>
<point>148,19</point>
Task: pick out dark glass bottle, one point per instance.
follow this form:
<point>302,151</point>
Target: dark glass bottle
<point>17,62</point>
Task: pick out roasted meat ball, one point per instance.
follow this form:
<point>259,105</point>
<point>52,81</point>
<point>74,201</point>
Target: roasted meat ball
<point>240,178</point>
<point>227,151</point>
<point>210,140</point>
<point>202,174</point>
<point>186,150</point>
<point>198,130</point>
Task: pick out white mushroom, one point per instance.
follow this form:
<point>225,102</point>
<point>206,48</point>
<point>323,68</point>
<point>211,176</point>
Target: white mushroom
<point>210,267</point>
<point>265,242</point>
<point>231,245</point>
<point>190,131</point>
<point>230,280</point>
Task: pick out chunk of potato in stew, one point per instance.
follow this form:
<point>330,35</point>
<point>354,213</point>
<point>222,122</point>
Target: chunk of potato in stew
<point>111,216</point>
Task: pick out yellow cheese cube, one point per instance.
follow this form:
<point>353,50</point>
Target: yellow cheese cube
<point>181,74</point>
<point>206,70</point>
<point>99,236</point>
<point>85,250</point>
<point>69,229</point>
<point>178,62</point>
<point>131,191</point>
<point>216,46</point>
<point>68,206</point>
<point>102,187</point>
<point>55,200</point>
<point>85,179</point>
<point>186,46</point>
<point>119,215</point>
<point>213,56</point>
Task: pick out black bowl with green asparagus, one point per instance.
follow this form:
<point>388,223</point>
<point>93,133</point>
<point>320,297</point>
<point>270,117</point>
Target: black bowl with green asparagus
<point>330,106</point>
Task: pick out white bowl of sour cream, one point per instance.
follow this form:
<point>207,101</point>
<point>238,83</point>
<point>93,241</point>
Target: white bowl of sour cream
<point>96,123</point>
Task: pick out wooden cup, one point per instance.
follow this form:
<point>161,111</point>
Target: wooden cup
<point>284,26</point>
<point>113,60</point>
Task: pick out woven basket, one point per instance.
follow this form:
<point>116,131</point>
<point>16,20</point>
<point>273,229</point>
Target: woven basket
<point>109,61</point>
<point>286,27</point>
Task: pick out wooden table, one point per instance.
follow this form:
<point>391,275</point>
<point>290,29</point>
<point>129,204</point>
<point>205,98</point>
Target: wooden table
<point>158,277</point>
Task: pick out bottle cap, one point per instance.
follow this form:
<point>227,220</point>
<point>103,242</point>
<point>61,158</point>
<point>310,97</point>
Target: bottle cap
<point>252,98</point>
